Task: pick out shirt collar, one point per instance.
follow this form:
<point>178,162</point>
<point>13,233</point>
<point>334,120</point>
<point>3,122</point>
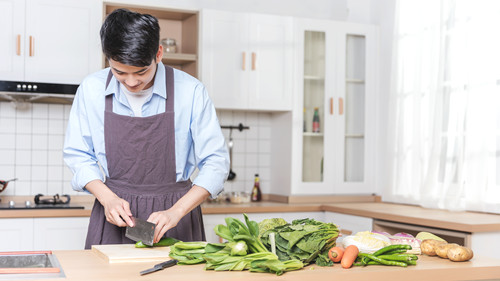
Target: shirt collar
<point>159,86</point>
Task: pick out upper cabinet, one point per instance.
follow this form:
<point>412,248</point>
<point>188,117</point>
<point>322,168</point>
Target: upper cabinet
<point>247,60</point>
<point>178,33</point>
<point>333,122</point>
<point>49,40</point>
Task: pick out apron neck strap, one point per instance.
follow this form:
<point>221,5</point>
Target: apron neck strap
<point>169,78</point>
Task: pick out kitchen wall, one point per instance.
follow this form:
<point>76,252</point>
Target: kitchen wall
<point>31,139</point>
<point>251,149</point>
<point>31,142</point>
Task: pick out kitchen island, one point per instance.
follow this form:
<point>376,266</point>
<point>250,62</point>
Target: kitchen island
<point>87,265</point>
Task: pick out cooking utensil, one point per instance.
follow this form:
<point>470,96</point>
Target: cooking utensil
<point>230,144</point>
<point>3,184</point>
<point>142,231</point>
<point>159,266</point>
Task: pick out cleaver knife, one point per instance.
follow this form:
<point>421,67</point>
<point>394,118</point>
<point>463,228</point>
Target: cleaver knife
<point>142,231</point>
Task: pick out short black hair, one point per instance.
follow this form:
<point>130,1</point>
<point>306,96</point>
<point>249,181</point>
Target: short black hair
<point>130,38</point>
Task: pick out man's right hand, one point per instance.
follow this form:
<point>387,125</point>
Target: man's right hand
<point>116,210</point>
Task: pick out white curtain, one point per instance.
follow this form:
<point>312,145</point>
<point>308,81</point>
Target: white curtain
<point>444,104</point>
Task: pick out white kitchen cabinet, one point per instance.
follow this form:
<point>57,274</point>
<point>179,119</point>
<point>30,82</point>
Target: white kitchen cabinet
<point>49,40</point>
<point>246,60</point>
<point>43,234</point>
<point>16,234</point>
<point>336,75</point>
<point>60,233</point>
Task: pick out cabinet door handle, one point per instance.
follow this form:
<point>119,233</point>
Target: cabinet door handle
<point>341,106</point>
<point>331,106</point>
<point>254,60</point>
<point>243,56</point>
<point>18,45</point>
<point>32,46</point>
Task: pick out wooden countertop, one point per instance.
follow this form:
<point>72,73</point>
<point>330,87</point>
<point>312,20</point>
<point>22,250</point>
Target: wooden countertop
<point>457,221</point>
<point>86,265</point>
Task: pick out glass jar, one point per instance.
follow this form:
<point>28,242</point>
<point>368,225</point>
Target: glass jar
<point>169,45</point>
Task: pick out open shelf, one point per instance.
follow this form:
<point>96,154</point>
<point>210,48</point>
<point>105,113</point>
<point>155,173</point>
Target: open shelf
<point>180,25</point>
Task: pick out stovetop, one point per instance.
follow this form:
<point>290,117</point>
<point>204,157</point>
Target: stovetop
<point>20,206</point>
<point>41,202</point>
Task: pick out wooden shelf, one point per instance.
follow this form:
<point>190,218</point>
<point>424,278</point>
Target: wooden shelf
<point>311,134</point>
<point>359,81</point>
<point>178,58</point>
<point>313,77</point>
<point>180,25</point>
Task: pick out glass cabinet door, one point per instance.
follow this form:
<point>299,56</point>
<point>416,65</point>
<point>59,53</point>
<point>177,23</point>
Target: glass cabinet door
<point>313,112</point>
<point>354,109</point>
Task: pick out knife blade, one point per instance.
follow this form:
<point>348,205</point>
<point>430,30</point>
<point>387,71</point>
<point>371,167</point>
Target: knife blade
<point>142,231</point>
<point>159,266</point>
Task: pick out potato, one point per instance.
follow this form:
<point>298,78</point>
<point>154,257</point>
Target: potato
<point>428,246</point>
<point>460,253</point>
<point>442,249</point>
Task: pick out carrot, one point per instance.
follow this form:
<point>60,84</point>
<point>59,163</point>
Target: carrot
<point>350,255</point>
<point>335,254</point>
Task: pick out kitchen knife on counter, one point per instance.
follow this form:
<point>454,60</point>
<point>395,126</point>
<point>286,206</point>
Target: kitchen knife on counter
<point>142,231</point>
<point>159,266</point>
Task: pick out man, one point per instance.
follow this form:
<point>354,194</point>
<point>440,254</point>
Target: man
<point>148,127</point>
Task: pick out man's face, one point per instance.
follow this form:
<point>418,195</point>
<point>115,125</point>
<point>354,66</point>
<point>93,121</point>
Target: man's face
<point>135,78</point>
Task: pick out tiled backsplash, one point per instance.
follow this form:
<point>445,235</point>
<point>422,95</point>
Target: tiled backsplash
<point>251,149</point>
<point>31,142</point>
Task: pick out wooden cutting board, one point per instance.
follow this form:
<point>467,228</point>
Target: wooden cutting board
<point>117,253</point>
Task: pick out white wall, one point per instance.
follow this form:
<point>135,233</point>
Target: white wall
<point>31,140</point>
<point>382,14</point>
<point>342,10</point>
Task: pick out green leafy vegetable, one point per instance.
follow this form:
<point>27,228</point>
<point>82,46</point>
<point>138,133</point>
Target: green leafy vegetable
<point>306,240</point>
<point>167,241</point>
<point>235,230</point>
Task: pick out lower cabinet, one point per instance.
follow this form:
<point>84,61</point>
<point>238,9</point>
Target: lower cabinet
<point>17,234</point>
<point>60,233</point>
<point>42,234</point>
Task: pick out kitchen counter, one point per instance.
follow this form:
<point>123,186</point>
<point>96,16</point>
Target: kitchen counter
<point>472,222</point>
<point>86,265</point>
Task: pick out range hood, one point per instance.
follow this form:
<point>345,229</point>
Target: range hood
<point>28,92</point>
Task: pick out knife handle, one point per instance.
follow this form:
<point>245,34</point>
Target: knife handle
<point>167,263</point>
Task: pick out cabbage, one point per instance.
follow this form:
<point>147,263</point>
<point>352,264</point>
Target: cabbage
<point>366,241</point>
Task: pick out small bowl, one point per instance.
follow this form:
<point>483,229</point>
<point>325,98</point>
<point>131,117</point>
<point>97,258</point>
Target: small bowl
<point>239,197</point>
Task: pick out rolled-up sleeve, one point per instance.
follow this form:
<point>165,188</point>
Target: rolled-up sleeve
<point>78,148</point>
<point>209,145</point>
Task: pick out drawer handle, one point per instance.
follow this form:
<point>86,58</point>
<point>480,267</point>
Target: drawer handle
<point>331,106</point>
<point>18,45</point>
<point>254,60</point>
<point>32,46</point>
<point>243,56</point>
<point>341,106</point>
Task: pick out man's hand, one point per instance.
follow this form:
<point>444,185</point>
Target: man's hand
<point>116,210</point>
<point>168,219</point>
<point>164,221</point>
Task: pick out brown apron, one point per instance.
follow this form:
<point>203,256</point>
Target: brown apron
<point>141,163</point>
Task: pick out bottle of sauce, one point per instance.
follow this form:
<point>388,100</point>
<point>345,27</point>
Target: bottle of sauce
<point>316,121</point>
<point>256,193</point>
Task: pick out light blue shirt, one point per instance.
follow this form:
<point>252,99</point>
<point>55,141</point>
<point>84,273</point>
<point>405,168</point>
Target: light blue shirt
<point>198,138</point>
